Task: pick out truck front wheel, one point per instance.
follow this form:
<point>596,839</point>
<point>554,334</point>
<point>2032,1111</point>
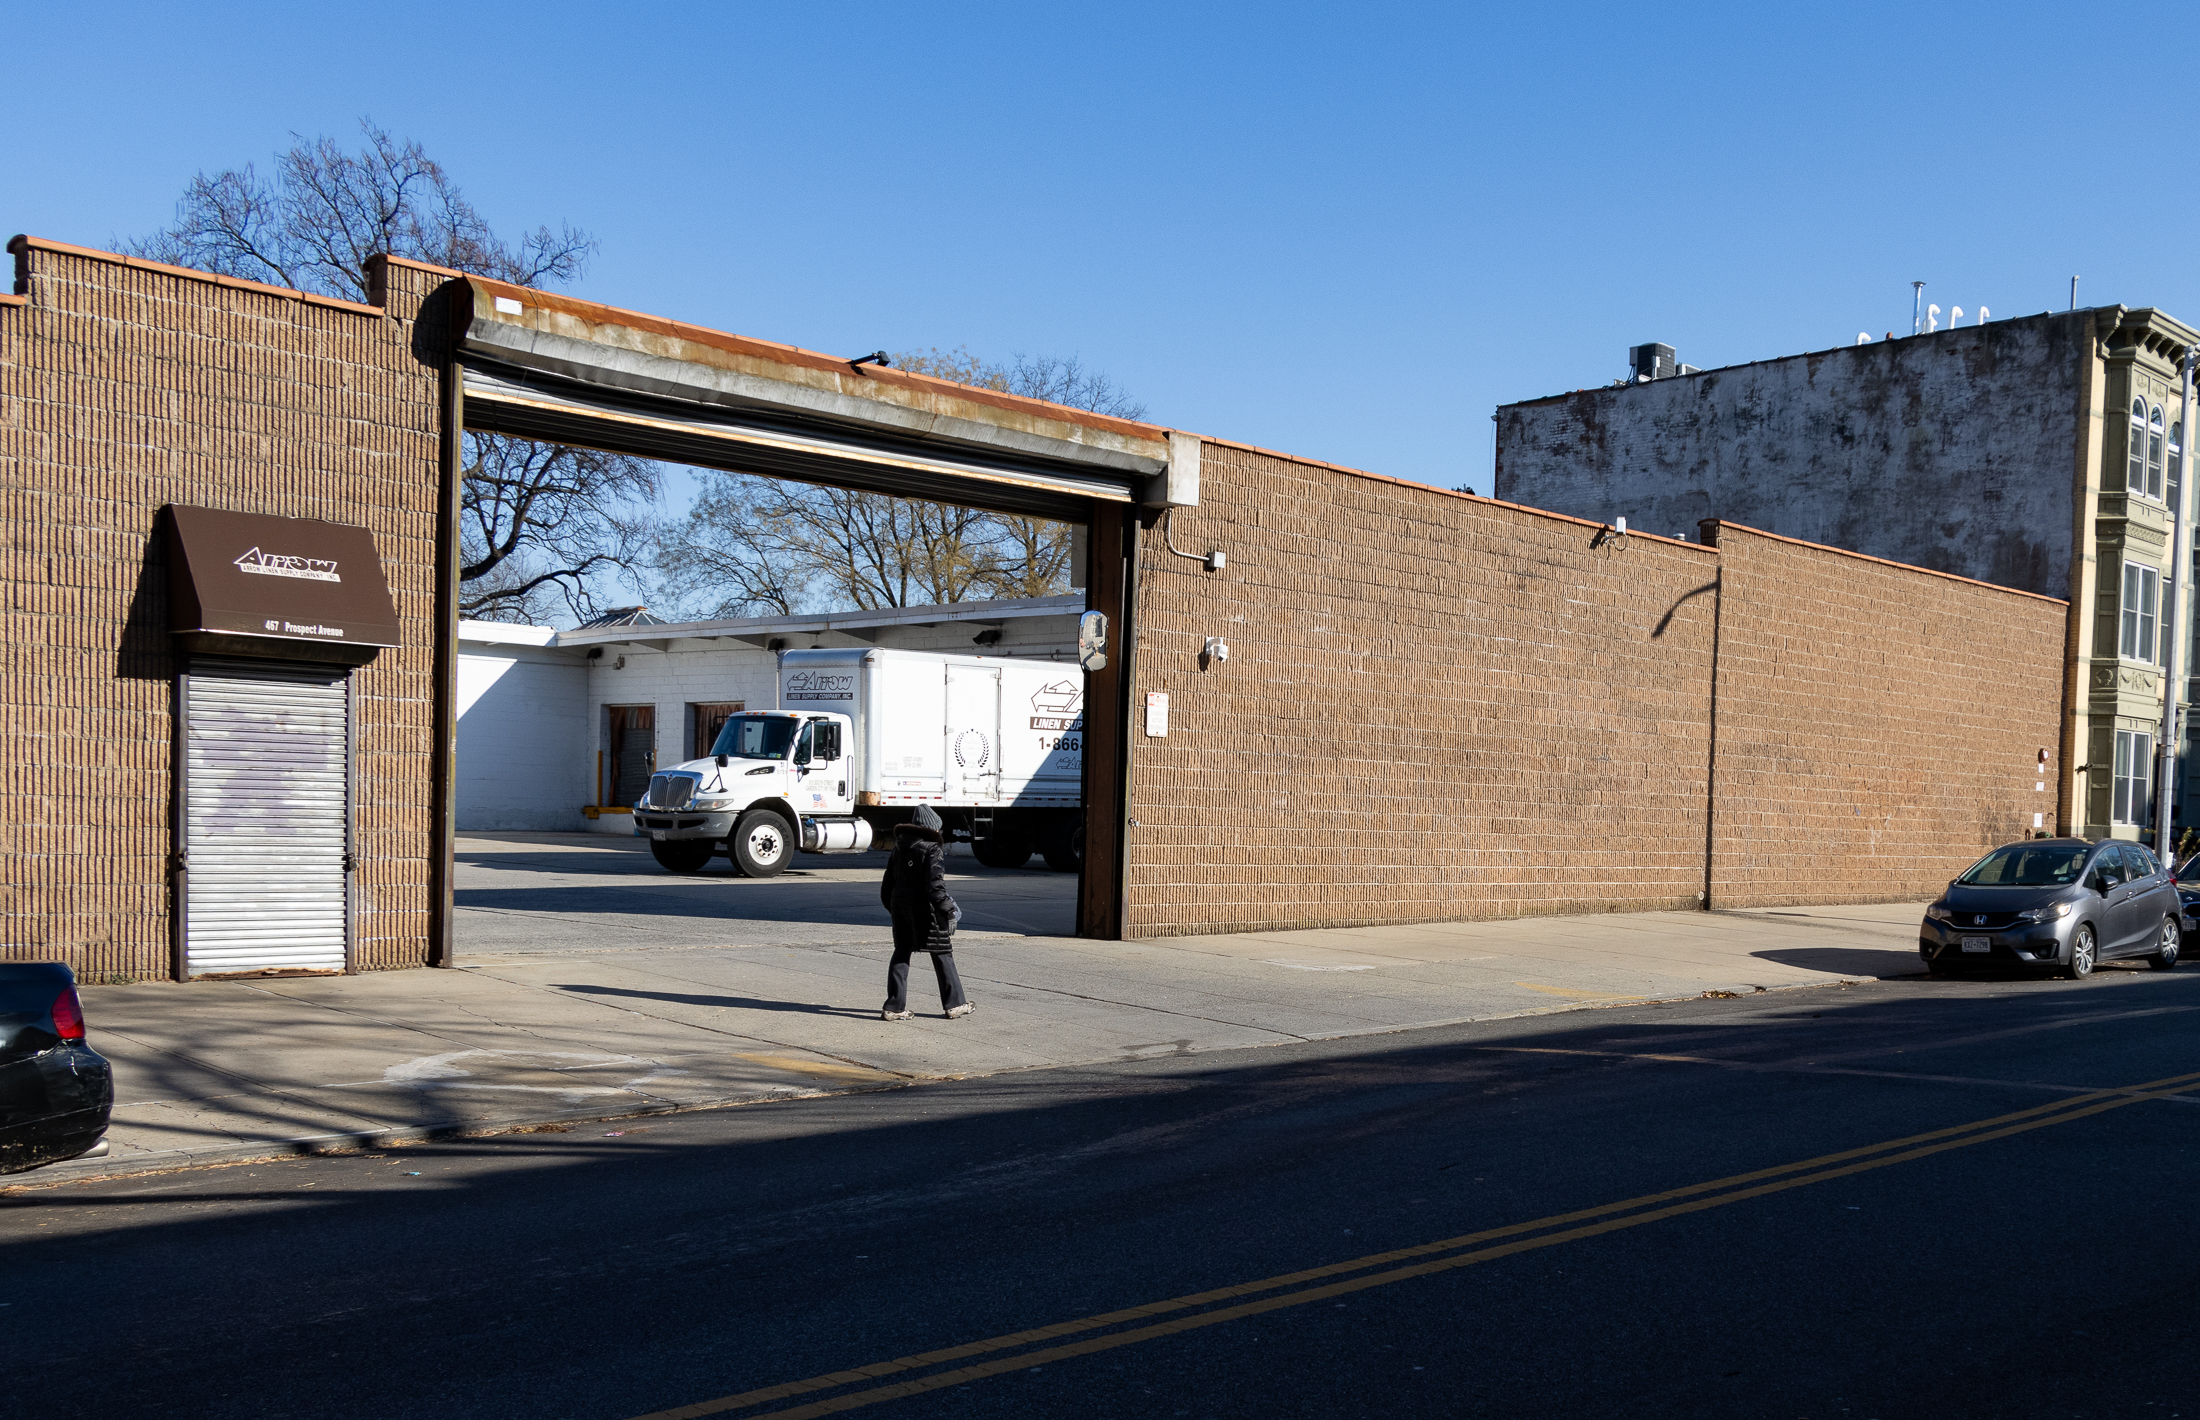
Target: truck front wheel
<point>681,855</point>
<point>762,844</point>
<point>1001,851</point>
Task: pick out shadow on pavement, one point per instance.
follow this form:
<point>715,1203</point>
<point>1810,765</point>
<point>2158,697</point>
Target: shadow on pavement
<point>685,999</point>
<point>1878,962</point>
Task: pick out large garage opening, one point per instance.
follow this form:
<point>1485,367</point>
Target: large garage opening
<point>771,738</point>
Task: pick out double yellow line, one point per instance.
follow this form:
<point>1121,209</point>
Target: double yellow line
<point>1379,1269</point>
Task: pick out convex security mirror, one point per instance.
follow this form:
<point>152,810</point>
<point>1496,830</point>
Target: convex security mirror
<point>1092,641</point>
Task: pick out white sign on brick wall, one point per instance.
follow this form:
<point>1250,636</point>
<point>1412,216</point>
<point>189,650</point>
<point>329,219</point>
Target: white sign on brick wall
<point>1157,713</point>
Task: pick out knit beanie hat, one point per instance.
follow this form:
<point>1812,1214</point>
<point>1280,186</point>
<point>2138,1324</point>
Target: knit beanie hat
<point>925,818</point>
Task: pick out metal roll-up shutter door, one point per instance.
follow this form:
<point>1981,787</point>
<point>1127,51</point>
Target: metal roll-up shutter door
<point>266,817</point>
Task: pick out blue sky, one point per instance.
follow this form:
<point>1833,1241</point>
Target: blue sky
<point>1348,232</point>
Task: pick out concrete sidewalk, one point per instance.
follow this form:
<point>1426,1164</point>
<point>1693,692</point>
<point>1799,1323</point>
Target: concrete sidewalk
<point>229,1070</point>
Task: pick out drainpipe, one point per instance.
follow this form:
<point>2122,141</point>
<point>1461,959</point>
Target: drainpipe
<point>2173,659</point>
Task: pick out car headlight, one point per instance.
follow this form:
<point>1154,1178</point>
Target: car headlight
<point>1939,913</point>
<point>2045,914</point>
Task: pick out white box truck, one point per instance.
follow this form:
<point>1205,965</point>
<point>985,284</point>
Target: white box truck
<point>865,736</point>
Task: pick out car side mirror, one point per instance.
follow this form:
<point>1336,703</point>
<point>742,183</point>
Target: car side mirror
<point>721,760</point>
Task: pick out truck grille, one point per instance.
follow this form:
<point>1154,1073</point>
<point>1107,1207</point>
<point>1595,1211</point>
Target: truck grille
<point>670,791</point>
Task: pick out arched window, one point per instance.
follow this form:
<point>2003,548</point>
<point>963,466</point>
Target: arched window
<point>2154,453</point>
<point>2176,461</point>
<point>2135,476</point>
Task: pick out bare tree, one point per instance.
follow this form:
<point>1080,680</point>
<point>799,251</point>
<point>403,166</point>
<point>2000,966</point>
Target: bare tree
<point>539,522</point>
<point>758,546</point>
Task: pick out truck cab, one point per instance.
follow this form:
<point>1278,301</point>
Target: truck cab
<point>775,781</point>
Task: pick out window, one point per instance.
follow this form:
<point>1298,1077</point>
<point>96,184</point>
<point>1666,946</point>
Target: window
<point>2154,453</point>
<point>2141,585</point>
<point>2176,461</point>
<point>2134,755</point>
<point>2135,471</point>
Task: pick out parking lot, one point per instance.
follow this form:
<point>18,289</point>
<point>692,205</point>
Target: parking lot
<point>579,892</point>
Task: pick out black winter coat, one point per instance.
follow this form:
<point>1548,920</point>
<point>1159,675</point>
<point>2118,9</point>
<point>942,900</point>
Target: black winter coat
<point>914,890</point>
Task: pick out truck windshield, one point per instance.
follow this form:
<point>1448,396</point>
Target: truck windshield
<point>756,736</point>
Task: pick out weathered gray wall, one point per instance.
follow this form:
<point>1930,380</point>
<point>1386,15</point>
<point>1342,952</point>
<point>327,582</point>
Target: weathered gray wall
<point>1954,451</point>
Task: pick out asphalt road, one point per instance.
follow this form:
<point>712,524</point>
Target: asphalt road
<point>1912,1198</point>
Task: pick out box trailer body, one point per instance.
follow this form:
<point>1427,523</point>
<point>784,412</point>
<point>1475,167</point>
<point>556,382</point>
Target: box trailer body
<point>863,737</point>
<point>949,731</point>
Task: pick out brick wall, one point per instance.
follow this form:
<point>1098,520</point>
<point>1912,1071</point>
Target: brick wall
<point>1436,707</point>
<point>1878,727</point>
<point>125,386</point>
<point>1442,708</point>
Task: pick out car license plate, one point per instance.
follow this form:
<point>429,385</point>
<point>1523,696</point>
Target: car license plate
<point>659,835</point>
<point>1978,944</point>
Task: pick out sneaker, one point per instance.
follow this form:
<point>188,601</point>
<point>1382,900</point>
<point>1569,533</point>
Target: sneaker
<point>959,1011</point>
<point>895,1015</point>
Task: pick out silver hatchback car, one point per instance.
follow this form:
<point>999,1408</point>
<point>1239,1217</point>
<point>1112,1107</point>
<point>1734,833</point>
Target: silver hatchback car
<point>2062,903</point>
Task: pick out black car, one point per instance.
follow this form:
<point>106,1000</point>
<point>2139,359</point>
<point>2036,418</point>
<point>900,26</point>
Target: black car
<point>2188,891</point>
<point>55,1091</point>
<point>2062,903</point>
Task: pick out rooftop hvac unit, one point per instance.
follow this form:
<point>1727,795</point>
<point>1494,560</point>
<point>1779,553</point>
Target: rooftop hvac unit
<point>1652,362</point>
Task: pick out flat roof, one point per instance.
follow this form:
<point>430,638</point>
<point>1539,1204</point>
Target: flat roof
<point>760,628</point>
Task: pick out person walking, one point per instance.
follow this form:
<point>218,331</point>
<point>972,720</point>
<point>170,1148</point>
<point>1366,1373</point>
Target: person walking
<point>914,893</point>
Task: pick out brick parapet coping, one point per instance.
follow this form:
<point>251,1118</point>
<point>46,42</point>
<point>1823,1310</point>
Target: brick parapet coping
<point>23,243</point>
<point>1719,524</point>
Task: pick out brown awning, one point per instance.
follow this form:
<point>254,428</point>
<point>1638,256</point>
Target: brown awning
<point>278,580</point>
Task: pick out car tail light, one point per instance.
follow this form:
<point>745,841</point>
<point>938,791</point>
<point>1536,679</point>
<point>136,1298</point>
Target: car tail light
<point>68,1016</point>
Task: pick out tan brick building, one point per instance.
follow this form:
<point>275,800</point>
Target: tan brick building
<point>1435,706</point>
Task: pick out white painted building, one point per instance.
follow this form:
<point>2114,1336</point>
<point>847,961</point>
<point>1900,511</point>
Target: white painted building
<point>559,730</point>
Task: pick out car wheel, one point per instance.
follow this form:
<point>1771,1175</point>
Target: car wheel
<point>762,844</point>
<point>2165,952</point>
<point>681,855</point>
<point>2083,953</point>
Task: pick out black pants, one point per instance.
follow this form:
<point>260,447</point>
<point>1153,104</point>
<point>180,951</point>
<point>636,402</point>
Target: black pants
<point>907,942</point>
